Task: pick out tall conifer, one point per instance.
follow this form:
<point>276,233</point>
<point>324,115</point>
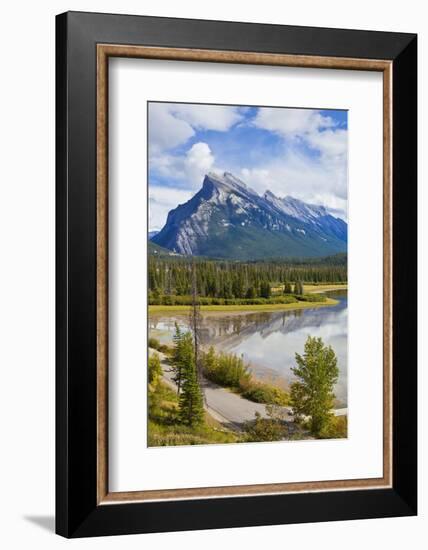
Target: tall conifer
<point>191,408</point>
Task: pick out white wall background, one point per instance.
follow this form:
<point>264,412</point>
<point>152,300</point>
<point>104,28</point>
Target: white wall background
<point>27,272</point>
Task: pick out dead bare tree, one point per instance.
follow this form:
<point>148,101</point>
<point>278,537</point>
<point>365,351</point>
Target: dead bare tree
<point>195,326</point>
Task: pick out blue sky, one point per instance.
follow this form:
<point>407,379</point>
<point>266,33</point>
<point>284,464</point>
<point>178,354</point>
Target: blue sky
<point>298,152</point>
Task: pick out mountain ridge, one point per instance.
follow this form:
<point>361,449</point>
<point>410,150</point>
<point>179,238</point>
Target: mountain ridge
<point>228,219</point>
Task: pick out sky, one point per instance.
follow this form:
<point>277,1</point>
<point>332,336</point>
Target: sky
<point>297,152</point>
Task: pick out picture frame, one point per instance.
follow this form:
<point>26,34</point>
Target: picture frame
<point>84,44</point>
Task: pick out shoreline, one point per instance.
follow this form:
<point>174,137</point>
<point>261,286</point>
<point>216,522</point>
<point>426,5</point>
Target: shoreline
<point>245,308</point>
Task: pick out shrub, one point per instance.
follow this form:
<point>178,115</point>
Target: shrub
<point>265,429</point>
<point>163,348</point>
<point>230,371</point>
<point>154,371</point>
<point>283,300</point>
<point>154,343</point>
<point>170,300</point>
<point>225,369</point>
<point>337,428</point>
<point>311,298</point>
<point>266,393</point>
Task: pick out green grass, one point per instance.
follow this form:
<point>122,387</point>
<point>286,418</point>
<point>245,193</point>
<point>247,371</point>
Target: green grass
<point>254,307</point>
<point>164,427</point>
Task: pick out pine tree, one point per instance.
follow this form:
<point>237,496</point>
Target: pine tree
<point>312,394</point>
<point>251,292</point>
<point>287,288</point>
<point>265,290</point>
<point>191,408</point>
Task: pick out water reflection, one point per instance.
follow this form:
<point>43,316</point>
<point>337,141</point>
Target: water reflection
<point>269,340</point>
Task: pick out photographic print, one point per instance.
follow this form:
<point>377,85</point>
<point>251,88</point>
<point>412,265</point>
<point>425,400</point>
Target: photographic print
<point>203,270</point>
<point>247,274</point>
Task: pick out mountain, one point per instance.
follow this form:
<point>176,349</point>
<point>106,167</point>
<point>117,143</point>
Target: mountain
<point>312,214</point>
<point>228,219</point>
<point>152,234</point>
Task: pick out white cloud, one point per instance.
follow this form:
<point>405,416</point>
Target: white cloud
<point>172,124</point>
<point>330,142</point>
<point>317,130</point>
<point>161,201</point>
<point>314,180</point>
<point>166,131</point>
<point>292,123</point>
<point>198,161</point>
<point>321,178</point>
<point>207,117</point>
<point>189,168</point>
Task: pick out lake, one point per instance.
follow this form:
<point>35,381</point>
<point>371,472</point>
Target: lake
<point>268,341</point>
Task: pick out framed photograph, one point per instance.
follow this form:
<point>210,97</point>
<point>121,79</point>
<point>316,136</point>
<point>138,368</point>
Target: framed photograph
<point>236,274</point>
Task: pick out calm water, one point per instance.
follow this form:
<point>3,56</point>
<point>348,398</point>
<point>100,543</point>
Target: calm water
<point>268,341</point>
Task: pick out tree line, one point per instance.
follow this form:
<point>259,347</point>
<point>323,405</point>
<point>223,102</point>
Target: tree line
<point>241,280</point>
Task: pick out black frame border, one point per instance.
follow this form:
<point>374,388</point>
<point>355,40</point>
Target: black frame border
<point>77,512</point>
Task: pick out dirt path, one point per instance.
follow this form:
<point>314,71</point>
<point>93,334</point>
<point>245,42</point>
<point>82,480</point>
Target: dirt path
<point>225,406</point>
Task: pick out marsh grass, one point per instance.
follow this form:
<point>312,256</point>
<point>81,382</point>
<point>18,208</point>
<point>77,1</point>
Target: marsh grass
<point>247,307</point>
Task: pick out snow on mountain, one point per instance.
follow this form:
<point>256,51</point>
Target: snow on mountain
<point>297,208</point>
<point>226,218</point>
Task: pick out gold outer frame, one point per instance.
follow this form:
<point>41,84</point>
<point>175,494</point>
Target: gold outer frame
<point>104,52</point>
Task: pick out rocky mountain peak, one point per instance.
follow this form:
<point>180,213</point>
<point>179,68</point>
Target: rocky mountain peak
<point>226,218</point>
<point>228,182</point>
<point>296,207</point>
